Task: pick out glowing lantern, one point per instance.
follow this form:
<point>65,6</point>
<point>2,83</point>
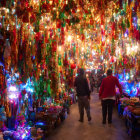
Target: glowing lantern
<point>73,66</point>
<point>13,92</point>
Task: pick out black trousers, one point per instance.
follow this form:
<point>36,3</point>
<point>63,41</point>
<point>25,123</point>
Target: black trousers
<point>107,108</point>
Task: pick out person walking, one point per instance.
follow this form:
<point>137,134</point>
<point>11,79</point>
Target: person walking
<point>101,78</point>
<point>92,83</point>
<point>83,94</point>
<point>107,95</point>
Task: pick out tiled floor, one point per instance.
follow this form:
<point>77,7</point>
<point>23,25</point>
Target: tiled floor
<point>71,129</point>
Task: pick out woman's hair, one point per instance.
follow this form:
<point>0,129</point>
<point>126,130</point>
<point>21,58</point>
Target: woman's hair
<point>109,71</point>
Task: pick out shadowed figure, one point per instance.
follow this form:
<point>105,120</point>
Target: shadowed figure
<point>83,94</point>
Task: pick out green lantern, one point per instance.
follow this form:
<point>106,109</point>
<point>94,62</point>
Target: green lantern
<point>49,87</point>
<point>59,60</point>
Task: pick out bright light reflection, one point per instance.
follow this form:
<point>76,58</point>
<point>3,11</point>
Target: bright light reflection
<point>69,38</point>
<point>12,96</point>
<point>12,88</point>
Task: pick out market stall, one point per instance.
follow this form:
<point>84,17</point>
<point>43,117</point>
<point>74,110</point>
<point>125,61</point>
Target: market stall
<point>129,103</point>
<point>44,42</point>
<point>130,110</point>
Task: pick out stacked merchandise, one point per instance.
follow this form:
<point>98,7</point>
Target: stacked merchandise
<point>129,109</point>
<point>23,111</point>
<point>129,103</point>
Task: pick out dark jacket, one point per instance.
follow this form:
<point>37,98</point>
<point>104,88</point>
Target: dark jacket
<point>81,85</point>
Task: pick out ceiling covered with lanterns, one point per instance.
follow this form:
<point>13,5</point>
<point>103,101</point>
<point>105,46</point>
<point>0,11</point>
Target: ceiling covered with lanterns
<point>92,32</point>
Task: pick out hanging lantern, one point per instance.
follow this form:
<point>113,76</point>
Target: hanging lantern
<point>58,25</point>
<point>73,66</point>
<point>37,36</point>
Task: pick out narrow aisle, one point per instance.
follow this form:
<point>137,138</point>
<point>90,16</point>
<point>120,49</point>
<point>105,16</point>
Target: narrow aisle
<point>72,129</point>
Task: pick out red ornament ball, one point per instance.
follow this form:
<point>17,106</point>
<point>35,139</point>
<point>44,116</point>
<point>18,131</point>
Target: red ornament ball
<point>73,66</point>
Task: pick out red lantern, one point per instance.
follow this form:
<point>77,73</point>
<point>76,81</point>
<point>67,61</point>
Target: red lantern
<point>113,26</point>
<point>37,36</point>
<point>54,46</point>
<point>46,40</point>
<point>86,11</point>
<point>73,11</point>
<point>112,60</point>
<point>125,61</point>
<point>91,21</point>
<point>59,24</point>
<point>73,66</point>
<point>83,37</point>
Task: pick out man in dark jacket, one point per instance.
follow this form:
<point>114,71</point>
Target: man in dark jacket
<point>83,93</point>
<point>107,95</point>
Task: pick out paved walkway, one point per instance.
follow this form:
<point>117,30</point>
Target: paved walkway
<point>72,129</point>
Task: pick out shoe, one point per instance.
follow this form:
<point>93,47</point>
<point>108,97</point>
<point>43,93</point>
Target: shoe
<point>81,120</point>
<point>89,119</point>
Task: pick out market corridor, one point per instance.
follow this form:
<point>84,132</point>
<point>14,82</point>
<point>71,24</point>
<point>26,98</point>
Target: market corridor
<point>71,129</point>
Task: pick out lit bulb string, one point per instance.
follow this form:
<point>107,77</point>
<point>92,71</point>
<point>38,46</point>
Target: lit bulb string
<point>85,35</point>
<point>84,40</point>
